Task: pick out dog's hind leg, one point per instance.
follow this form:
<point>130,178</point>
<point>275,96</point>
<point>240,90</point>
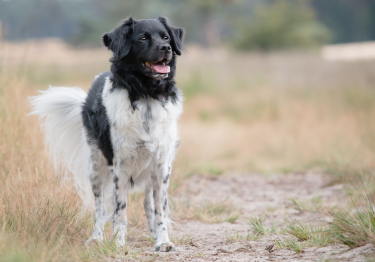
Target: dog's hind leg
<point>148,205</point>
<point>120,221</point>
<point>97,178</point>
<point>160,192</point>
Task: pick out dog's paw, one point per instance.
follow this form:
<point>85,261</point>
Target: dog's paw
<point>165,247</point>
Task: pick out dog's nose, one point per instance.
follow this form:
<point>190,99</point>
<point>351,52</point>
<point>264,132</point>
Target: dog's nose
<point>165,47</point>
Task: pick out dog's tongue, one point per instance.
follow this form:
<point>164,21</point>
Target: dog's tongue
<point>160,68</point>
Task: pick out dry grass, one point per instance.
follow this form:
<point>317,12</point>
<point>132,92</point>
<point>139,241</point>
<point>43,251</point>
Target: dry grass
<point>206,211</point>
<point>250,112</point>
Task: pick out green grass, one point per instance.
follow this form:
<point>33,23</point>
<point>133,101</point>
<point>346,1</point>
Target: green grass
<point>257,227</point>
<point>355,226</point>
<point>313,205</point>
<point>232,218</point>
<point>290,243</point>
<point>299,230</point>
<point>239,237</point>
<point>321,238</point>
<point>300,206</point>
<point>314,235</point>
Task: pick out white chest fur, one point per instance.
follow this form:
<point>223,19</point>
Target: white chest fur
<point>143,139</point>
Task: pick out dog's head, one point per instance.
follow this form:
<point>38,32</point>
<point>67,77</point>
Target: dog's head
<point>147,45</point>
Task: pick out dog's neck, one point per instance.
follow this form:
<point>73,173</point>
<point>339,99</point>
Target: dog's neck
<point>140,86</point>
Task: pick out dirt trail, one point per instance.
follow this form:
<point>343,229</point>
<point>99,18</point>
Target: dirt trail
<point>268,197</point>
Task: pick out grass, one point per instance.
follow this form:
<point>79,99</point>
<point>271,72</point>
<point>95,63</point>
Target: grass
<point>315,235</point>
<point>258,113</point>
<point>313,205</point>
<point>232,218</point>
<point>107,248</point>
<point>322,238</point>
<point>257,227</point>
<point>239,237</point>
<point>290,243</point>
<point>293,235</point>
<point>299,230</point>
<point>256,230</point>
<point>184,240</point>
<point>300,206</point>
<point>355,226</point>
<point>208,211</point>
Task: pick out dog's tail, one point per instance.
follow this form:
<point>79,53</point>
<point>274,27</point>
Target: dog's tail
<point>59,110</point>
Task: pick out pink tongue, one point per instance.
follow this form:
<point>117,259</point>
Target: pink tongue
<point>161,69</point>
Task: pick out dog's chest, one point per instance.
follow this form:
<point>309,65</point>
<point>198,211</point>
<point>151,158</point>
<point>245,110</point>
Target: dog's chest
<point>144,135</point>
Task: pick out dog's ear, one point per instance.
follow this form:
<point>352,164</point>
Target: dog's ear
<point>176,34</point>
<point>119,40</point>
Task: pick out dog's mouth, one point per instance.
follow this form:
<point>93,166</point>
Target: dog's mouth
<point>160,67</point>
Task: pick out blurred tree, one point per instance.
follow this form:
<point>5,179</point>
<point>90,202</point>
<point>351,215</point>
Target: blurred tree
<point>281,24</point>
<point>210,35</point>
<point>262,24</point>
<point>33,18</point>
<point>350,20</point>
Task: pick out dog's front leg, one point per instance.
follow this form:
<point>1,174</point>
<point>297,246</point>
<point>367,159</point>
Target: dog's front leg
<point>121,183</point>
<point>97,176</point>
<point>148,204</point>
<point>160,193</point>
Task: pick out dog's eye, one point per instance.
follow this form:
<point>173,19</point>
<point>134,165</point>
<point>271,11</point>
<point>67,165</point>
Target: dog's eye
<point>143,38</point>
<point>166,38</point>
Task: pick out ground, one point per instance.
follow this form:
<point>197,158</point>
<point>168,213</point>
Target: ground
<point>258,195</point>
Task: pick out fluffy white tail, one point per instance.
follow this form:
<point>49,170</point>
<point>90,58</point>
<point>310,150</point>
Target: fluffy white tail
<point>59,110</point>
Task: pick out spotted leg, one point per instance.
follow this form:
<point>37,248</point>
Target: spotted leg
<point>148,204</point>
<point>120,202</point>
<point>160,188</point>
<point>97,177</point>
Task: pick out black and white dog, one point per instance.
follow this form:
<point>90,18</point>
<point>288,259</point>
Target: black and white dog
<point>122,135</point>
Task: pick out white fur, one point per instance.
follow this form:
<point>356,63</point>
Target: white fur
<point>59,110</point>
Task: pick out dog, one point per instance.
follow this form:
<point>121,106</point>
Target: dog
<point>122,135</point>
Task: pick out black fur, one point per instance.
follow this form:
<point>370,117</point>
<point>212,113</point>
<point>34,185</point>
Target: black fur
<point>128,71</point>
<point>95,119</point>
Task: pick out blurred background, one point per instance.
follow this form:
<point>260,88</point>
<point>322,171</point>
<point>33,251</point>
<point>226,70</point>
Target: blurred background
<point>241,24</point>
<point>271,87</point>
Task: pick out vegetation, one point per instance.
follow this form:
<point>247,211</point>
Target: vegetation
<point>257,226</point>
<point>282,24</point>
<point>247,24</point>
<point>355,226</point>
<point>286,112</point>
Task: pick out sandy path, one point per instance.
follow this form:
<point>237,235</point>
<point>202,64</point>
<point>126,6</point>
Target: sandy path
<point>270,198</point>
